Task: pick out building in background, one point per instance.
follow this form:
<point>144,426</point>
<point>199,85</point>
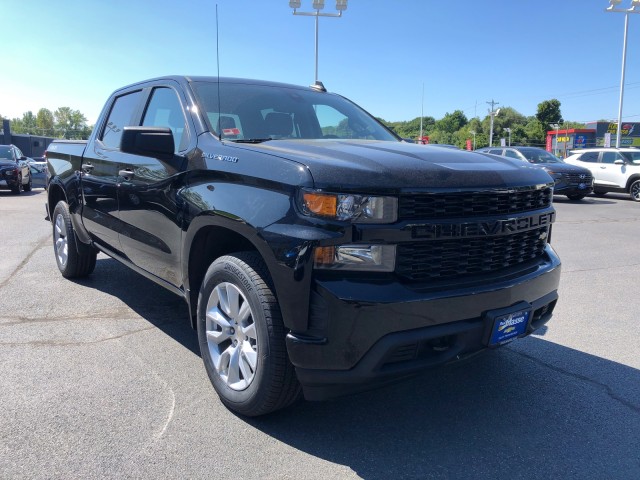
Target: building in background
<point>561,142</point>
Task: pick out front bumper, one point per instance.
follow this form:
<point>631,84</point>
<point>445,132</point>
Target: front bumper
<point>566,188</point>
<point>8,182</point>
<point>378,332</point>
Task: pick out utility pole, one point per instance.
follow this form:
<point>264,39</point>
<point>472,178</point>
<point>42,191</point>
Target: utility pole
<point>421,112</point>
<point>492,113</point>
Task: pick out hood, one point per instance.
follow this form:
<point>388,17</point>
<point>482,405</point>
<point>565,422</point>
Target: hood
<point>351,165</point>
<point>564,168</point>
<point>5,162</point>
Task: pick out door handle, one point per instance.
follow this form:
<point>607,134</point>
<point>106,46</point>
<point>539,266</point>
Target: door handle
<point>127,174</point>
<point>86,167</point>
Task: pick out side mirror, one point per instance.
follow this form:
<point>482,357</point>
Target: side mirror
<point>618,162</point>
<point>156,142</point>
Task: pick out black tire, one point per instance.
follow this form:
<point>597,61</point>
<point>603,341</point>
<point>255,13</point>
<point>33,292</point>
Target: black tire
<point>18,187</point>
<point>242,337</point>
<point>599,193</point>
<point>634,190</point>
<point>29,185</point>
<point>575,197</point>
<point>71,262</point>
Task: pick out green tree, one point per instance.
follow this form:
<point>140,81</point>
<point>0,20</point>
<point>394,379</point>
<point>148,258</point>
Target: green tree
<point>44,122</point>
<point>69,123</point>
<point>549,113</point>
<point>452,122</point>
<point>536,133</point>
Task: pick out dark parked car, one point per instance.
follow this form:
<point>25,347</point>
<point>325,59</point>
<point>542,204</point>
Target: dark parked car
<point>14,169</point>
<point>570,180</point>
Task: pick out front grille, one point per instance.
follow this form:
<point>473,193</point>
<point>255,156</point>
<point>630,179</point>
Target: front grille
<point>451,258</point>
<point>576,177</point>
<point>462,204</point>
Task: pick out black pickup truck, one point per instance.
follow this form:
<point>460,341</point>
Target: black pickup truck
<point>315,250</point>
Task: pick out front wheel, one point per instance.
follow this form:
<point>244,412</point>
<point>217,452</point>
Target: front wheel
<point>18,186</point>
<point>71,262</point>
<point>29,185</point>
<point>242,337</point>
<point>634,190</point>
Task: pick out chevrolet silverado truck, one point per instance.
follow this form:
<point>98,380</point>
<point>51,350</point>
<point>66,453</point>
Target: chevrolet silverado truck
<point>317,252</point>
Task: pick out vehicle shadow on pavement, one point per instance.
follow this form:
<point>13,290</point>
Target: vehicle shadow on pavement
<point>533,409</point>
<point>153,303</point>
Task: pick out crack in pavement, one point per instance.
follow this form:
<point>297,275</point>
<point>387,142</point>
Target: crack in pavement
<point>53,343</point>
<point>41,243</point>
<point>609,391</point>
<point>122,313</point>
<point>601,268</point>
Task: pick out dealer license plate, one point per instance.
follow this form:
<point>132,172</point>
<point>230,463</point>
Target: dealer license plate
<point>508,327</point>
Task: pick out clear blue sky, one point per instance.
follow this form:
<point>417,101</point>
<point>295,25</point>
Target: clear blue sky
<point>380,53</point>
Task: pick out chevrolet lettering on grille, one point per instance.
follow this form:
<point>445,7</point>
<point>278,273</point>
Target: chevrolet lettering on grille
<point>481,229</point>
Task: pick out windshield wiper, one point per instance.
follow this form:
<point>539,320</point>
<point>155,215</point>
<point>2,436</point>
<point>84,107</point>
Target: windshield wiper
<point>251,140</point>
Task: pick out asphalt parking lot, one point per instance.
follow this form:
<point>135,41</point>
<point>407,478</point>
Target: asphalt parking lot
<point>102,378</point>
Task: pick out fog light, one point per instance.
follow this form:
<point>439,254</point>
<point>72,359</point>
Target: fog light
<point>371,258</point>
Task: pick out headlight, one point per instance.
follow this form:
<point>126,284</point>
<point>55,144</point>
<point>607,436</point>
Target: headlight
<point>357,208</point>
<point>371,258</point>
<point>557,176</point>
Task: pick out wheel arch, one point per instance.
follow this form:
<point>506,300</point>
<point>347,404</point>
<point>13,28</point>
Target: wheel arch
<point>208,242</point>
<point>288,262</point>
<point>631,180</point>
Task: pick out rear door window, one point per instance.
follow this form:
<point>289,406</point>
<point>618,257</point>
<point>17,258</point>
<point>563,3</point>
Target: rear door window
<point>121,116</point>
<point>589,157</point>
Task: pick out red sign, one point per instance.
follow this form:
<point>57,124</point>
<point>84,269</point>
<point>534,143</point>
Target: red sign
<point>549,143</point>
<point>423,140</point>
<point>469,144</point>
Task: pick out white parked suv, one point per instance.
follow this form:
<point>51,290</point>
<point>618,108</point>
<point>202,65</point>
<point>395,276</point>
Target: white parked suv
<point>613,169</point>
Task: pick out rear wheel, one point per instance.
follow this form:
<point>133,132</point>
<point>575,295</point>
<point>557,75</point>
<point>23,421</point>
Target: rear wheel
<point>71,262</point>
<point>634,190</point>
<point>599,193</point>
<point>242,337</point>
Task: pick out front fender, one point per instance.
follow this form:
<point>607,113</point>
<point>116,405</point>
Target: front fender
<point>267,220</point>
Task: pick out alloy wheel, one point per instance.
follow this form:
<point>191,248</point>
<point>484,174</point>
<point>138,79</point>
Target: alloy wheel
<point>635,191</point>
<point>60,240</point>
<point>231,336</point>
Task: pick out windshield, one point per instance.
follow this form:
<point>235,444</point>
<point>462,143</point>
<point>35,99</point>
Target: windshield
<point>632,156</point>
<point>537,155</point>
<point>255,113</point>
<point>5,152</point>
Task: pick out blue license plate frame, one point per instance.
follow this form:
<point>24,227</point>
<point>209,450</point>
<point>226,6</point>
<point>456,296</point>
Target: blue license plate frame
<point>507,326</point>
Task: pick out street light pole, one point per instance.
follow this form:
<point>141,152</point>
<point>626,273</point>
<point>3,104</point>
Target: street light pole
<point>612,8</point>
<point>557,127</point>
<point>508,130</point>
<point>492,113</point>
<point>317,5</point>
